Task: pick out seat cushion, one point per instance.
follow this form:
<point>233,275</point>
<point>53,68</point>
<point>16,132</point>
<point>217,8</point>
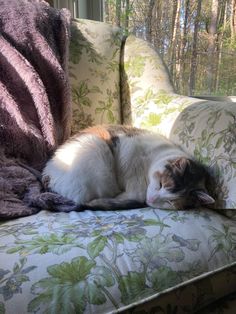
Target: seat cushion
<point>96,262</point>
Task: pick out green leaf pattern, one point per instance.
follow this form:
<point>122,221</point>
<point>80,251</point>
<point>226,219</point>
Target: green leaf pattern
<point>147,95</point>
<point>207,131</point>
<point>82,262</point>
<point>94,73</point>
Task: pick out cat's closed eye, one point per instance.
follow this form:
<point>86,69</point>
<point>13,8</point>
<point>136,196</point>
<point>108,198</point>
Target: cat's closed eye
<point>167,182</point>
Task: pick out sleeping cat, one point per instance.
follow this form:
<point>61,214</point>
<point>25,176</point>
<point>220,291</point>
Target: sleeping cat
<point>120,167</point>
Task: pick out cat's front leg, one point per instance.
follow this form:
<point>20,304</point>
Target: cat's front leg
<point>134,192</point>
<point>123,196</point>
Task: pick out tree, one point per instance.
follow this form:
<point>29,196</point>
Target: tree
<point>149,20</point>
<point>183,45</point>
<point>175,29</point>
<point>196,39</point>
<point>193,65</point>
<point>221,33</point>
<point>233,19</point>
<point>118,12</point>
<point>211,68</point>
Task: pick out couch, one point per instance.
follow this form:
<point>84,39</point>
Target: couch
<point>134,261</point>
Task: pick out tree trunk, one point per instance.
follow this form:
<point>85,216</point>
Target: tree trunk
<point>233,20</point>
<point>171,47</point>
<point>175,29</point>
<point>193,64</point>
<point>118,12</point>
<point>211,68</point>
<point>157,26</point>
<point>149,20</point>
<point>222,24</point>
<point>183,45</point>
<point>164,18</point>
<point>127,13</point>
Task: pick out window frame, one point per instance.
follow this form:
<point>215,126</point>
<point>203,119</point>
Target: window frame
<point>86,9</point>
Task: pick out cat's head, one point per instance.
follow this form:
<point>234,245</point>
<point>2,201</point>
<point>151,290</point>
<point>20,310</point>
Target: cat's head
<point>182,185</point>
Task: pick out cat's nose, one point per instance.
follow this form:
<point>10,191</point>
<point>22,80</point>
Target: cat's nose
<point>151,200</point>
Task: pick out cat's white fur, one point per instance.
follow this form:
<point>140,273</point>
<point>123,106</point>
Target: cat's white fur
<point>86,169</point>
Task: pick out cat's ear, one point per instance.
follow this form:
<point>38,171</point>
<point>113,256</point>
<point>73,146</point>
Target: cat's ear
<point>204,198</point>
<point>179,165</point>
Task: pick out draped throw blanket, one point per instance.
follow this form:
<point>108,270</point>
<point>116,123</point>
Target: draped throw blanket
<point>34,93</point>
<point>35,109</point>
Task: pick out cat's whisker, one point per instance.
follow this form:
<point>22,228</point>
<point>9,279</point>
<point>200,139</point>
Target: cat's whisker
<point>171,204</point>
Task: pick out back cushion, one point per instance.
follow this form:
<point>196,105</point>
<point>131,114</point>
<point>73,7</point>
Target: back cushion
<point>94,73</point>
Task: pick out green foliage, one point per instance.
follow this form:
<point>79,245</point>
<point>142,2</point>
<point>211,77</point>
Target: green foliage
<point>80,93</point>
<point>78,45</point>
<point>148,241</point>
<point>42,244</point>
<point>132,286</point>
<point>164,277</point>
<point>71,285</point>
<point>135,66</point>
<point>138,17</point>
<point>96,246</point>
<point>106,106</point>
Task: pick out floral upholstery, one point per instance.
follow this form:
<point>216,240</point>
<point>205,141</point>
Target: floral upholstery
<point>207,131</point>
<point>145,98</point>
<point>95,55</point>
<point>95,262</point>
<point>137,261</point>
<point>151,103</point>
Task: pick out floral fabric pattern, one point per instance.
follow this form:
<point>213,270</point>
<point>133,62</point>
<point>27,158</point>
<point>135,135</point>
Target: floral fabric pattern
<point>95,262</point>
<point>148,99</point>
<point>144,81</point>
<point>207,131</point>
<point>94,73</point>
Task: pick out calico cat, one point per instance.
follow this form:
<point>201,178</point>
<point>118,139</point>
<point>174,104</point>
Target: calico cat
<point>120,167</point>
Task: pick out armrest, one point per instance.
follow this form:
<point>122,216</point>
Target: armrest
<point>147,94</point>
<point>207,131</point>
<point>204,128</point>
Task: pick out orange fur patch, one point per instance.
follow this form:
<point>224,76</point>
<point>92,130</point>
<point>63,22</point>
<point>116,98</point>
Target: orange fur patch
<point>100,131</point>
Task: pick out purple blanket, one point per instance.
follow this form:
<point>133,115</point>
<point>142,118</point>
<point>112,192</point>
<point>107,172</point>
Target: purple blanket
<point>35,108</point>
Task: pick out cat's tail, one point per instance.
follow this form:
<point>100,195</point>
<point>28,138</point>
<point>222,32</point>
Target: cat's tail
<point>57,203</point>
<point>111,204</point>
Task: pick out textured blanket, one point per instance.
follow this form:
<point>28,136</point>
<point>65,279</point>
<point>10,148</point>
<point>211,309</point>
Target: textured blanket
<point>35,109</point>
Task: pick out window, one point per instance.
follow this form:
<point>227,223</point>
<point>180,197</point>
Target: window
<point>87,9</point>
<point>196,38</point>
